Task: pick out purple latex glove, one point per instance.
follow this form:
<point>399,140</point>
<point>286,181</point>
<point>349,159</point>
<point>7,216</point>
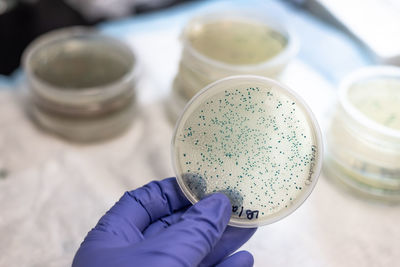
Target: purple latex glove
<point>156,226</point>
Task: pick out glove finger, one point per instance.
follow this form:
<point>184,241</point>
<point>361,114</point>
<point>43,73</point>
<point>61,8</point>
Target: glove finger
<point>239,259</point>
<point>232,239</point>
<point>163,223</point>
<point>188,241</point>
<point>139,208</point>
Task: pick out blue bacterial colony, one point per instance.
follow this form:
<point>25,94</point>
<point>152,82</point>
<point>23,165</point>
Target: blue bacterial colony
<point>254,144</point>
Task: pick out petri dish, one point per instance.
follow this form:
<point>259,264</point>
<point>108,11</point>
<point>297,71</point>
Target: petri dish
<point>232,42</point>
<point>363,139</point>
<point>81,84</point>
<point>252,139</point>
<point>227,41</point>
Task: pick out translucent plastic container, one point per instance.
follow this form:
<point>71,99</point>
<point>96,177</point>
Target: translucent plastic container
<point>252,139</point>
<point>222,44</point>
<point>364,136</point>
<point>81,83</point>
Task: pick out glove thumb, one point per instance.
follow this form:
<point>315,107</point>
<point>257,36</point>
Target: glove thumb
<point>188,241</point>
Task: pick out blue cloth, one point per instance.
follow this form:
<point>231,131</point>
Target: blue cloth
<point>155,225</point>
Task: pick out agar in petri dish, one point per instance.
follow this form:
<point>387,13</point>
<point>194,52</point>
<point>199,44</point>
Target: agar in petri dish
<point>237,41</point>
<point>252,139</point>
<point>378,99</point>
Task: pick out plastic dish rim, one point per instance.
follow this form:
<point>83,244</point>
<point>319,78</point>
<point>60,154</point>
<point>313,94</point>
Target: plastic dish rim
<point>65,34</point>
<point>281,27</point>
<point>356,115</point>
<point>312,122</point>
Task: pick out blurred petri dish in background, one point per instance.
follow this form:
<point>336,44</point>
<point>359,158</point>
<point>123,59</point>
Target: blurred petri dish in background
<point>252,139</point>
<point>364,135</point>
<point>234,42</point>
<point>81,83</point>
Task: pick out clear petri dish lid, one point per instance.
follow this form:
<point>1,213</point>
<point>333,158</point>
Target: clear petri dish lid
<point>370,98</point>
<point>252,139</point>
<point>79,68</point>
<point>278,31</point>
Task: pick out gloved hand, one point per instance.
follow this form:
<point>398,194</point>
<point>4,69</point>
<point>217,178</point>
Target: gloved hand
<point>156,226</point>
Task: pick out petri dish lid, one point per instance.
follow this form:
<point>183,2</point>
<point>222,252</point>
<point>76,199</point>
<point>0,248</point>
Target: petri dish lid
<point>373,90</point>
<point>252,139</point>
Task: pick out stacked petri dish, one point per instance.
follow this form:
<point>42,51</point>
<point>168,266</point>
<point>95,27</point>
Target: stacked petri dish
<point>221,44</point>
<point>81,83</point>
<point>364,135</point>
<point>252,139</point>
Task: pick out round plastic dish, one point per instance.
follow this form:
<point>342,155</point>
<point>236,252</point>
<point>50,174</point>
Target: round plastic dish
<point>245,37</point>
<point>81,83</point>
<point>252,139</point>
<point>364,136</point>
